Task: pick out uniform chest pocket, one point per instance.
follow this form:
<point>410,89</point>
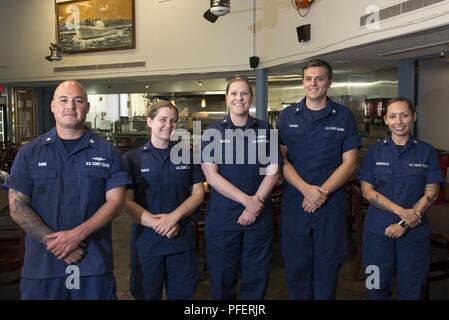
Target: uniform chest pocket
<point>295,132</point>
<point>148,180</point>
<point>293,136</point>
<point>384,177</point>
<point>43,173</point>
<point>43,179</point>
<point>383,171</point>
<point>97,173</point>
<point>142,183</point>
<point>418,174</point>
<point>333,134</point>
<point>96,177</point>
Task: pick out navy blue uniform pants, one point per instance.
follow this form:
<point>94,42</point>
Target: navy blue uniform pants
<point>408,258</point>
<point>233,253</point>
<point>179,272</point>
<point>102,287</point>
<point>314,248</point>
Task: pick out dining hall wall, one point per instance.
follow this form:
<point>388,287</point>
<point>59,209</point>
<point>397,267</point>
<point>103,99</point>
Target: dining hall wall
<point>173,38</point>
<point>335,26</point>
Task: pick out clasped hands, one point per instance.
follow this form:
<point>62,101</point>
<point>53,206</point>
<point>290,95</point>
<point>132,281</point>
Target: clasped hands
<point>164,224</point>
<point>65,245</point>
<point>410,216</point>
<point>253,207</point>
<point>314,197</point>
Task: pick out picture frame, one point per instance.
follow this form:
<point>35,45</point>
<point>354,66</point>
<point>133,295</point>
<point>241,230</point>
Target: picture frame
<point>3,100</point>
<point>95,25</point>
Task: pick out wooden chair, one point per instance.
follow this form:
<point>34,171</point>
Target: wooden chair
<point>360,206</point>
<point>11,258</point>
<point>8,152</point>
<point>439,221</point>
<point>349,216</point>
<point>198,221</point>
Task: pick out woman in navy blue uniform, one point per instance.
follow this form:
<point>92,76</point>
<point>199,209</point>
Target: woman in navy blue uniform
<point>239,220</point>
<point>400,178</point>
<point>160,200</point>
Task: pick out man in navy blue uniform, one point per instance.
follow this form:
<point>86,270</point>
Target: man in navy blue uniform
<point>400,178</point>
<point>239,219</point>
<point>319,142</point>
<point>65,188</point>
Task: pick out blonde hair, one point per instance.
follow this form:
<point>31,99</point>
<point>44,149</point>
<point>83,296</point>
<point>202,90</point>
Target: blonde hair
<point>239,79</point>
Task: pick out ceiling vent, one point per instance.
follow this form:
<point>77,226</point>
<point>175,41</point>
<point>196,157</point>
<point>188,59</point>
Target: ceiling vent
<point>399,9</point>
<point>138,64</point>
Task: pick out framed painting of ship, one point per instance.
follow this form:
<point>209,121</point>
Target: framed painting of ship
<point>95,25</point>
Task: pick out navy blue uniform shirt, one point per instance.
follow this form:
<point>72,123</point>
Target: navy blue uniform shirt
<point>66,190</point>
<point>401,176</point>
<point>160,186</point>
<point>245,173</point>
<point>316,142</point>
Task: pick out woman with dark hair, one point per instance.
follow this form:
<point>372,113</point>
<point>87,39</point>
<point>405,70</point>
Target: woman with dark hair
<point>400,178</point>
<point>160,200</point>
<point>239,219</point>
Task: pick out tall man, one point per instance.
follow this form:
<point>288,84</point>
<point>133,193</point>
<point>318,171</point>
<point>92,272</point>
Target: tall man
<point>319,142</point>
<point>65,188</point>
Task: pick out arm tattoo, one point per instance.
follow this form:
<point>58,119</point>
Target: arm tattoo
<point>375,201</point>
<point>430,195</point>
<point>431,192</point>
<point>25,217</point>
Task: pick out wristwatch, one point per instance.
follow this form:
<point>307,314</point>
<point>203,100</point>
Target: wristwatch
<point>404,225</point>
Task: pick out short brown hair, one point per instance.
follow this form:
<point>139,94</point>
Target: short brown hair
<point>239,79</point>
<point>154,109</point>
<point>319,63</point>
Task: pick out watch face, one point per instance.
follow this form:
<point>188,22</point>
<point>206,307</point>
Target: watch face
<point>403,224</point>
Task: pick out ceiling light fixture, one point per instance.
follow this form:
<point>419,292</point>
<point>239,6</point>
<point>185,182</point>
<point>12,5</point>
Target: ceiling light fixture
<point>442,57</point>
<point>173,102</point>
<point>203,102</point>
<point>200,83</point>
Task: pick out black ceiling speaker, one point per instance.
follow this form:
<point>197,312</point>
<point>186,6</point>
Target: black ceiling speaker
<point>303,32</point>
<point>254,62</point>
<point>217,8</point>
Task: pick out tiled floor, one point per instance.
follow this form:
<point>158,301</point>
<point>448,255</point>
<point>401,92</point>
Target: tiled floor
<point>347,287</point>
